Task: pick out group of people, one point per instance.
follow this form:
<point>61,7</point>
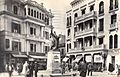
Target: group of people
<point>83,68</point>
<point>27,68</point>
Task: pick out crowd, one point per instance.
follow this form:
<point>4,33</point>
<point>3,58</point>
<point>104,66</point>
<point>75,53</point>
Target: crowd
<point>83,68</point>
<point>27,68</point>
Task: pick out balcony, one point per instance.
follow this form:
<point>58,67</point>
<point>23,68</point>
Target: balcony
<point>89,48</point>
<point>11,34</point>
<point>85,32</point>
<point>113,26</point>
<point>34,37</point>
<point>91,15</point>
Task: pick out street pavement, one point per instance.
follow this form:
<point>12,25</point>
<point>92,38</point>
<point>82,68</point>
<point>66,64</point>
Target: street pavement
<point>68,74</point>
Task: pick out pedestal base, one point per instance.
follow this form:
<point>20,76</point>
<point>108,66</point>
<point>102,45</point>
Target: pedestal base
<point>53,62</point>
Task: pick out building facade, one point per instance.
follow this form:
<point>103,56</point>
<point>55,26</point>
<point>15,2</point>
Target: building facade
<point>25,29</point>
<point>92,30</point>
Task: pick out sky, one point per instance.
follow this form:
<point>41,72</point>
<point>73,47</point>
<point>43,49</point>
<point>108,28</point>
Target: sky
<point>58,8</point>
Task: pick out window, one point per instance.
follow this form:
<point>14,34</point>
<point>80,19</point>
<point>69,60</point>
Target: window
<point>47,21</point>
<point>113,60</point>
<point>34,13</point>
<point>25,11</point>
<point>47,49</point>
<point>68,32</point>
<point>115,41</point>
<point>100,40</point>
<point>110,42</point>
<point>113,19</point>
<point>113,4</point>
<point>15,9</point>
<point>46,35</point>
<point>28,11</point>
<point>32,47</point>
<point>83,11</point>
<point>16,46</point>
<point>75,44</point>
<point>70,20</point>
<point>31,12</point>
<point>37,14</point>
<point>67,21</point>
<point>116,4</point>
<point>7,43</point>
<point>101,7</point>
<point>32,31</point>
<point>101,25</point>
<point>40,15</point>
<point>75,15</point>
<point>91,8</point>
<point>16,28</point>
<point>70,46</point>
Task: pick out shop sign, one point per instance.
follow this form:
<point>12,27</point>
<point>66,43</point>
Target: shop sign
<point>88,58</point>
<point>98,58</point>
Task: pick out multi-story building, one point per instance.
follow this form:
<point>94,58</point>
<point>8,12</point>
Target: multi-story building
<point>25,28</point>
<point>93,32</point>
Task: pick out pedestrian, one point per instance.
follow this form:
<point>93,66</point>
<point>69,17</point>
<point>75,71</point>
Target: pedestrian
<point>28,70</point>
<point>82,68</point>
<point>20,67</point>
<point>36,68</point>
<point>90,68</point>
<point>31,69</point>
<point>10,69</point>
<point>118,73</point>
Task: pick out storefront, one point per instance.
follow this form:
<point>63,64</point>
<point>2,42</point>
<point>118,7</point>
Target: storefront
<point>98,62</point>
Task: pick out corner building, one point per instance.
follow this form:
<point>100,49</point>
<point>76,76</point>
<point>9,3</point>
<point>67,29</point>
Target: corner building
<point>25,28</point>
<point>92,31</point>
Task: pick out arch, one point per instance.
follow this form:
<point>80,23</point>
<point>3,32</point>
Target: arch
<point>115,41</point>
<point>101,7</point>
<point>75,15</point>
<point>110,42</point>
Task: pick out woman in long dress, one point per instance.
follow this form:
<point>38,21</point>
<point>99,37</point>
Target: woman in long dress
<point>24,67</point>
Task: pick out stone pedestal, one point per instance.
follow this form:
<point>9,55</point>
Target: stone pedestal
<point>53,62</point>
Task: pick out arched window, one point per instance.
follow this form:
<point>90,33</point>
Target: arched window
<point>115,41</point>
<point>15,9</point>
<point>101,7</point>
<point>75,15</point>
<point>110,42</point>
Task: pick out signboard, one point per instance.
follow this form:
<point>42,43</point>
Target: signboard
<point>98,58</point>
<point>88,58</point>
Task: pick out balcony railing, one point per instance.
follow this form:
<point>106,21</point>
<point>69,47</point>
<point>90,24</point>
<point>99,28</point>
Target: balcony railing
<point>88,48</point>
<point>84,32</point>
<point>86,16</point>
<point>113,26</point>
<point>35,37</point>
<point>12,34</point>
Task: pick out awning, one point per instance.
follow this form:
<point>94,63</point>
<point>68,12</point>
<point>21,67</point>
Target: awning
<point>78,58</point>
<point>65,59</point>
<point>38,57</point>
<point>19,56</point>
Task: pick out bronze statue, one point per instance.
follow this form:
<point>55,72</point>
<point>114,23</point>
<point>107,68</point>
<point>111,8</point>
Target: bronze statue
<point>55,40</point>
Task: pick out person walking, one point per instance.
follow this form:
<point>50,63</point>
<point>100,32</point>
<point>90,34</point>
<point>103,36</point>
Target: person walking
<point>90,68</point>
<point>82,68</point>
<point>10,70</point>
<point>36,68</point>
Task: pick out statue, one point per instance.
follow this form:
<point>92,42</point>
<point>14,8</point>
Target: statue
<point>55,40</point>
